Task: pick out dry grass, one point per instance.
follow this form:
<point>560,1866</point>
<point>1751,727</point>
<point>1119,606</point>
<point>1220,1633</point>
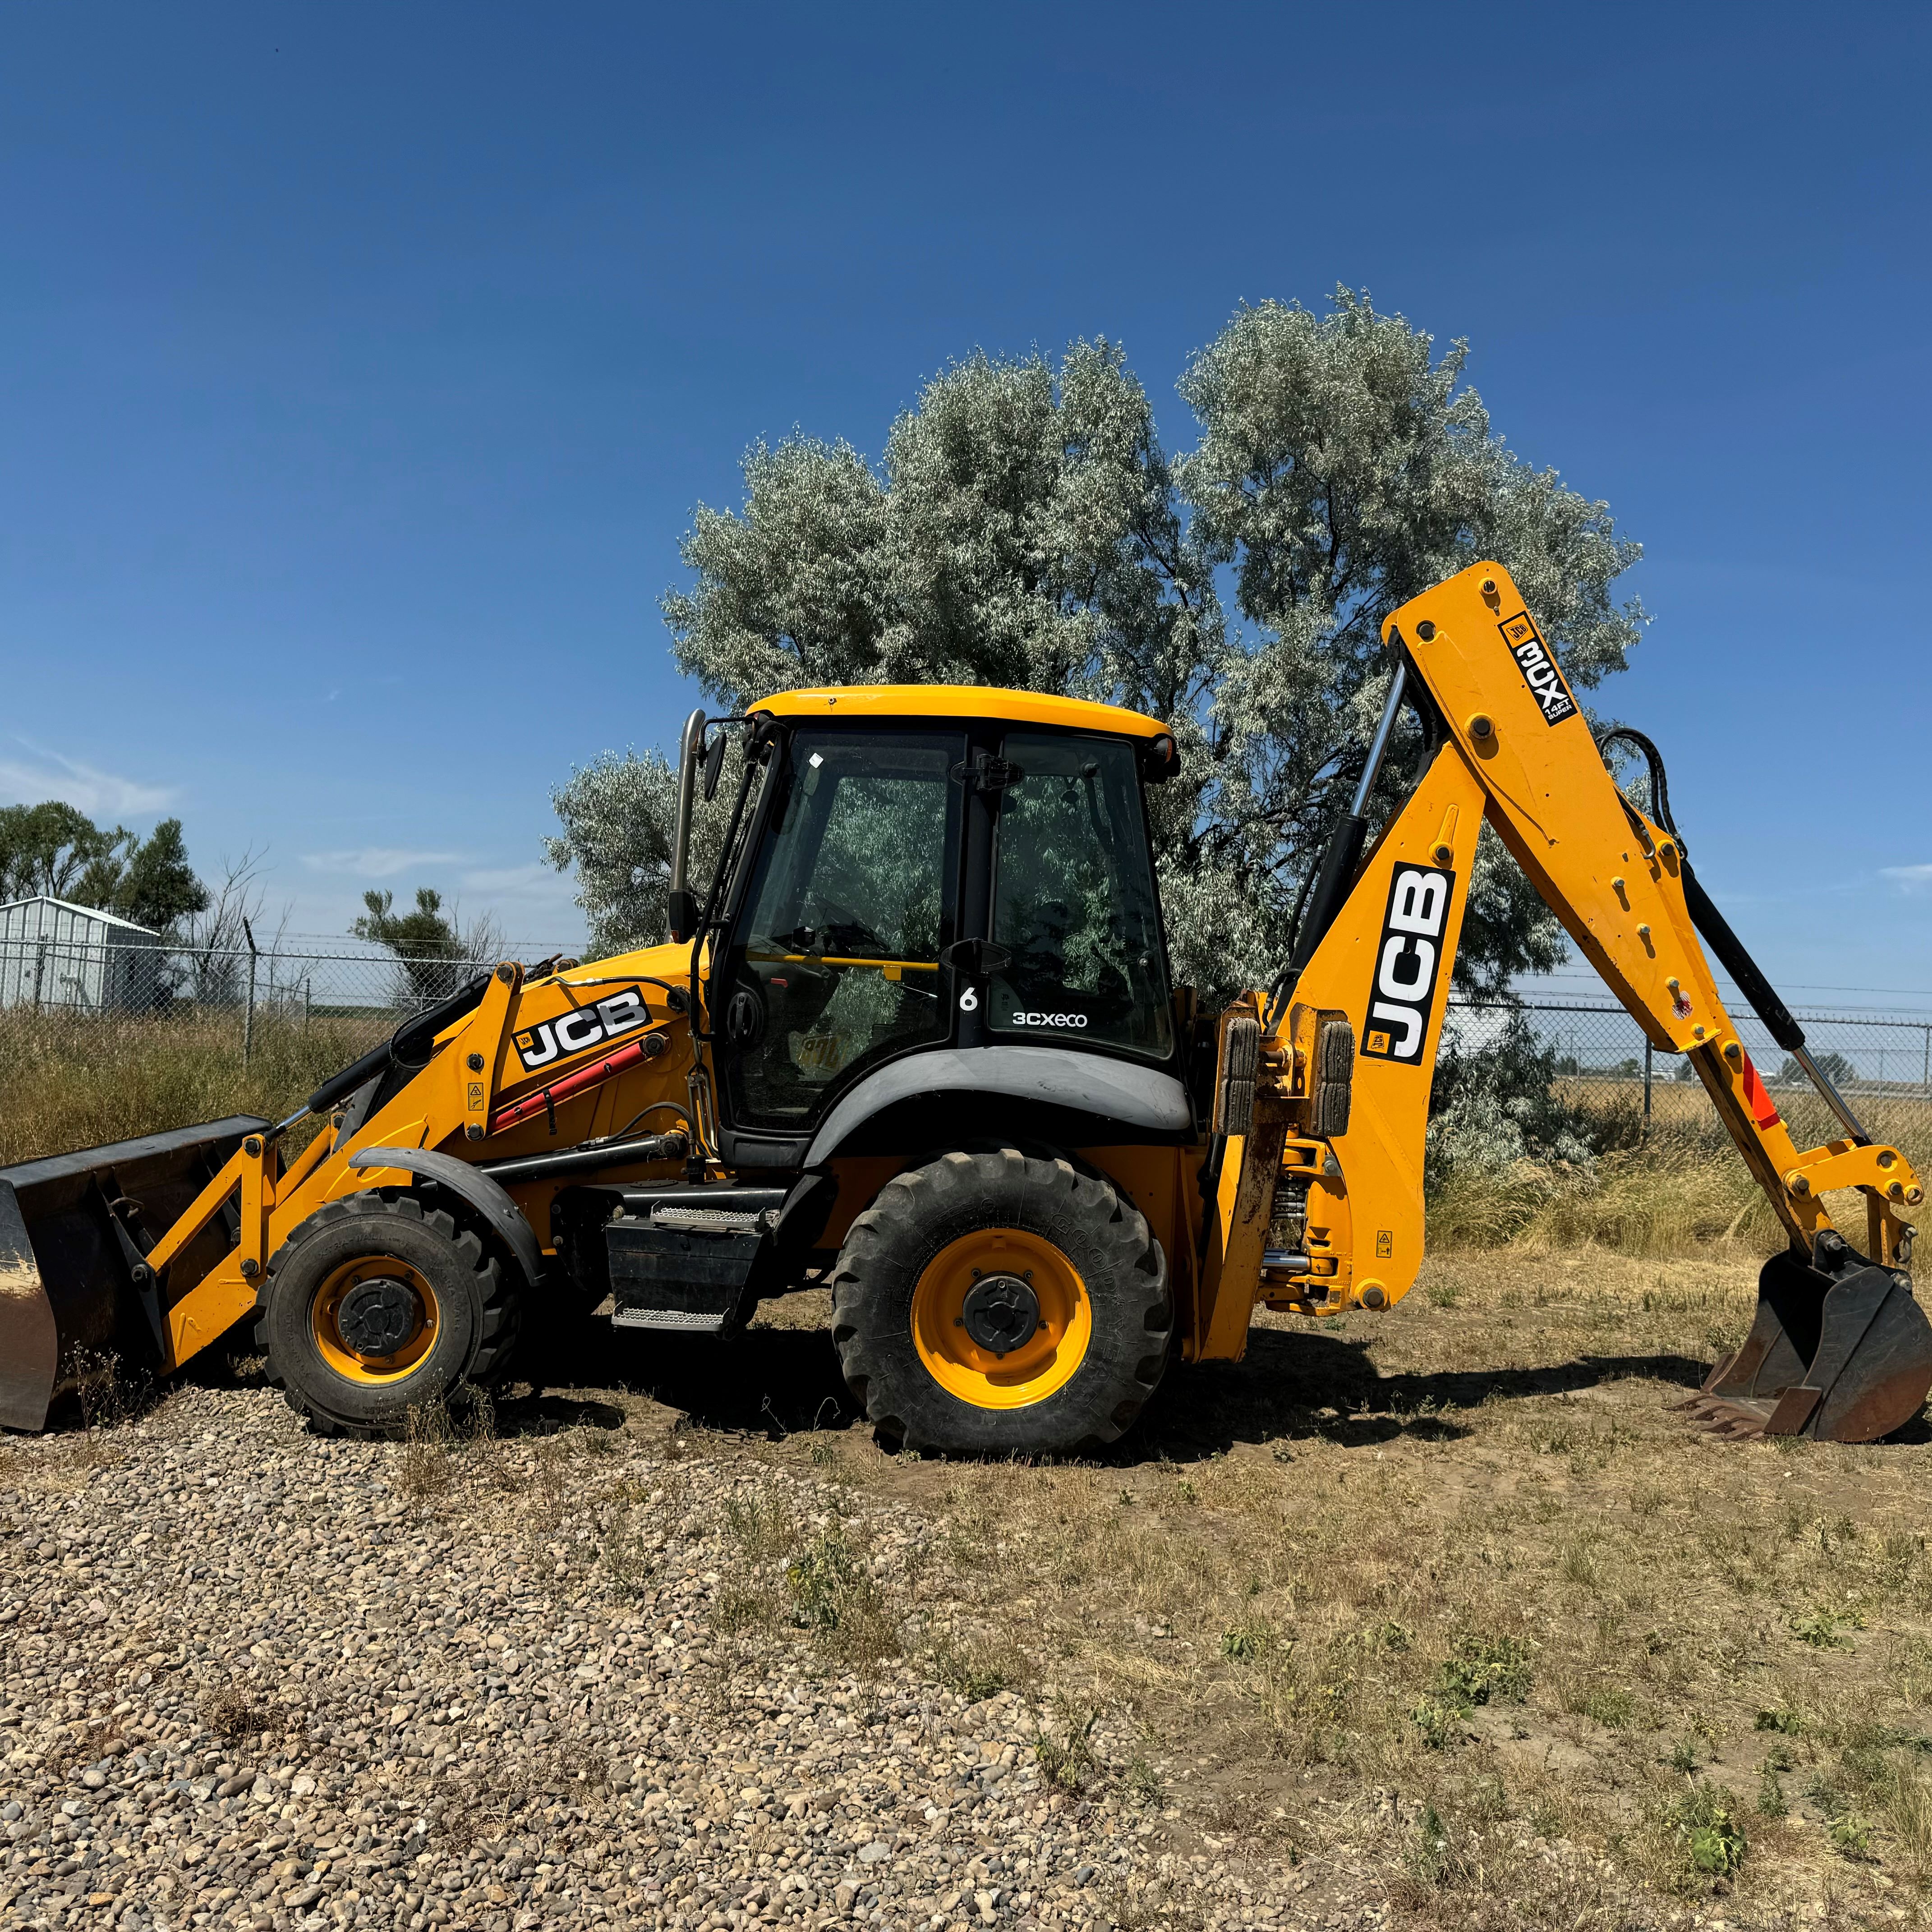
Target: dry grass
<point>1466,1555</point>
<point>1675,1189</point>
<point>71,1080</point>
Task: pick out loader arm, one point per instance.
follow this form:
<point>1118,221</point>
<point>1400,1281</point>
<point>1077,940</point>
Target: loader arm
<point>1510,744</point>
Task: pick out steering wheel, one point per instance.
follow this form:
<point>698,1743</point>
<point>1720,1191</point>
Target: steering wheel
<point>856,936</point>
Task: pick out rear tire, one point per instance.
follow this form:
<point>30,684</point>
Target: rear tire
<point>375,1306</point>
<point>1030,1241</point>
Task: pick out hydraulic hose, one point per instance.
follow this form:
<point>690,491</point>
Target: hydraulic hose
<point>1715,931</point>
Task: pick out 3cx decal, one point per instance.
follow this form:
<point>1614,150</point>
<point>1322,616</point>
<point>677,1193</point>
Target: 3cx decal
<point>571,1033</point>
<point>1538,667</point>
<point>1407,963</point>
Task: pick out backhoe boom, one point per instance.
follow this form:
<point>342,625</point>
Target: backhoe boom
<point>1508,742</point>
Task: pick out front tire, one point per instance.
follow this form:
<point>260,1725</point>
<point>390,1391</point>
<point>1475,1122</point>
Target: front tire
<point>994,1303</point>
<point>375,1306</point>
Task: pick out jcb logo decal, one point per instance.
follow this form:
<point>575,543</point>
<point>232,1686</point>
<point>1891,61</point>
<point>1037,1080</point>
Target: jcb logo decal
<point>555,1039</point>
<point>1538,667</point>
<point>1407,962</point>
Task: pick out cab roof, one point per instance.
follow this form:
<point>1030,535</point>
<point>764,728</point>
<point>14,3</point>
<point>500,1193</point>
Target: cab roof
<point>882,701</point>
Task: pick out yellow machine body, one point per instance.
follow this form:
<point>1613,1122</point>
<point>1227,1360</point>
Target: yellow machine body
<point>1319,1099</point>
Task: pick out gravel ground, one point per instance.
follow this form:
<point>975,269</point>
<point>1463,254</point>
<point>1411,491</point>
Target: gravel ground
<point>252,1677</point>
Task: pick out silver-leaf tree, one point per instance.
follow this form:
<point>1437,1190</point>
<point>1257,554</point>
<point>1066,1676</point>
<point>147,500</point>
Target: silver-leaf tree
<point>1024,526</point>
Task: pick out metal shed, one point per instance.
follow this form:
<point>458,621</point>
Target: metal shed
<point>54,954</point>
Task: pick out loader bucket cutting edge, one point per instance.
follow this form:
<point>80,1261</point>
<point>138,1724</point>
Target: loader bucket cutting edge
<point>1840,1358</point>
<point>67,1296</point>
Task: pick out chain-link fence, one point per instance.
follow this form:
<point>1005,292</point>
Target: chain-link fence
<point>1880,1062</point>
<point>238,999</point>
<point>97,1001</point>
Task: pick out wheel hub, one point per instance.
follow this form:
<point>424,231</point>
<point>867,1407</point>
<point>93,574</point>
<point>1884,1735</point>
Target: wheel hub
<point>1001,1312</point>
<point>377,1317</point>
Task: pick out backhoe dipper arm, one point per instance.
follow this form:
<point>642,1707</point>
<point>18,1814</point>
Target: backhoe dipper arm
<point>1346,1201</point>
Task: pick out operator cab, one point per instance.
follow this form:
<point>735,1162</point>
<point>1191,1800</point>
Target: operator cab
<point>906,877</point>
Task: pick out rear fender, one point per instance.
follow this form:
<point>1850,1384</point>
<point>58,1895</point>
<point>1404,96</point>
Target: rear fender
<point>934,1098</point>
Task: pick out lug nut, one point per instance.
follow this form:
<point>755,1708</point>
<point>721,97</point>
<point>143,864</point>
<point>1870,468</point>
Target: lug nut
<point>474,1130</point>
<point>250,1268</point>
<point>1798,1185</point>
<point>476,1063</point>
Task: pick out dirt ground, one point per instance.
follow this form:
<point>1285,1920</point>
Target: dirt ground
<point>1447,1605</point>
<point>1439,1617</point>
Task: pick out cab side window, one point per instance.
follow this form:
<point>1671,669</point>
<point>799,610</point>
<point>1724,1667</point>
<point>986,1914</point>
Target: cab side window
<point>1074,903</point>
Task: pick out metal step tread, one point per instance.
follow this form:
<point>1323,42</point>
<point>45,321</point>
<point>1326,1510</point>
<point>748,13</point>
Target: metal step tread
<point>724,1220</point>
<point>686,1321</point>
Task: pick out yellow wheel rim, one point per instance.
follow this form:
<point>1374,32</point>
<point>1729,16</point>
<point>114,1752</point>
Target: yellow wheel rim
<point>1028,1372</point>
<point>404,1312</point>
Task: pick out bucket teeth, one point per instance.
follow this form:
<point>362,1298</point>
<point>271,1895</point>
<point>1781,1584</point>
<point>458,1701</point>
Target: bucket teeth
<point>1841,1356</point>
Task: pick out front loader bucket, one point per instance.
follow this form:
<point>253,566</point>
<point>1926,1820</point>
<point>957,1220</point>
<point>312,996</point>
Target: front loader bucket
<point>1841,1358</point>
<point>72,1228</point>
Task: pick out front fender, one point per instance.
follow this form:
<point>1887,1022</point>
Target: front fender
<point>487,1196</point>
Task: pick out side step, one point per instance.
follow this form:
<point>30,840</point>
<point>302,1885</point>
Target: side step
<point>681,1265</point>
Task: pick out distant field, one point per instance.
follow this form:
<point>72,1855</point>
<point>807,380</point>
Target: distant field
<point>73,1080</point>
<point>69,1080</point>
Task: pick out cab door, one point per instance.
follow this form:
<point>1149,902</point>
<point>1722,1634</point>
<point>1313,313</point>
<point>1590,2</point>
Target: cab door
<point>832,961</point>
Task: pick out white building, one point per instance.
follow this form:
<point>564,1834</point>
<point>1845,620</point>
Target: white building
<point>53,954</point>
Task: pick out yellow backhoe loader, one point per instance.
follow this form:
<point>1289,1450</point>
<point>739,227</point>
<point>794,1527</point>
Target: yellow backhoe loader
<point>916,1040</point>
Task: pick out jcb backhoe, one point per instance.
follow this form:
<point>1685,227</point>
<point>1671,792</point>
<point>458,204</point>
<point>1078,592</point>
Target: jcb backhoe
<point>916,1040</point>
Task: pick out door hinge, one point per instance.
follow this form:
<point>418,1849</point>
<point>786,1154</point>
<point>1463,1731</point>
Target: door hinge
<point>986,771</point>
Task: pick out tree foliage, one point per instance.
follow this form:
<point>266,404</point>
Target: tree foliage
<point>617,813</point>
<point>434,951</point>
<point>1024,526</point>
<point>56,849</point>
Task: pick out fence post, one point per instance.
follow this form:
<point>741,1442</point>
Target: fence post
<point>1646,1087</point>
<point>248,1023</point>
<point>308,998</point>
<point>39,973</point>
<point>1928,1062</point>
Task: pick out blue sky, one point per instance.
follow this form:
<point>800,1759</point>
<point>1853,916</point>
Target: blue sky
<point>360,368</point>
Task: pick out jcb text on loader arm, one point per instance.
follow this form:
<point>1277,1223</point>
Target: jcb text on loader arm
<point>916,1041</point>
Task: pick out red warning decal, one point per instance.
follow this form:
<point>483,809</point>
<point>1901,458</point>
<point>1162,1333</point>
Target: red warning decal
<point>1756,1099</point>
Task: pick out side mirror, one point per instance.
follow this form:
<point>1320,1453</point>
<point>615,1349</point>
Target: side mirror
<point>714,767</point>
<point>682,908</point>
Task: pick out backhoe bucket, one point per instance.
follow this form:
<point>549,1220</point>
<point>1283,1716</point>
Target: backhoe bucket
<point>73,1229</point>
<point>1841,1357</point>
